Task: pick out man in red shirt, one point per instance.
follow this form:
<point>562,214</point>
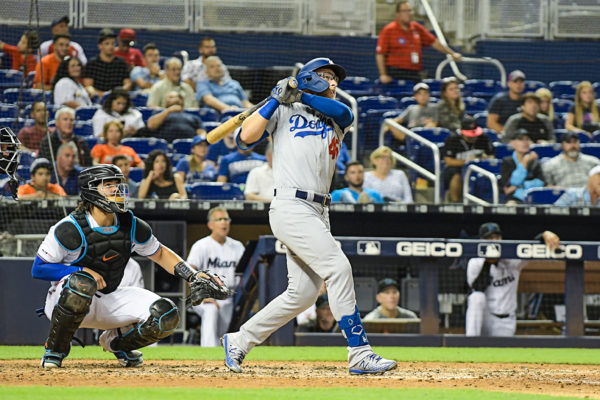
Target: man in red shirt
<point>27,47</point>
<point>32,136</point>
<point>51,62</point>
<point>400,47</point>
<point>133,57</point>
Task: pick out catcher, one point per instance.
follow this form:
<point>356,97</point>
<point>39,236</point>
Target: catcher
<point>84,256</point>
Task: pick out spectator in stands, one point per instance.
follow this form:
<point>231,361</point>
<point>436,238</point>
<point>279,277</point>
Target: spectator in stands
<point>103,153</point>
<point>585,195</point>
<point>121,161</point>
<point>355,193</point>
<point>420,115</point>
<point>260,185</point>
<point>23,54</point>
<point>195,71</point>
<point>172,82</point>
<point>31,136</point>
<point>57,27</point>
<point>39,187</point>
<point>220,149</point>
<point>235,167</point>
<point>159,181</point>
<point>146,76</point>
<point>67,168</point>
<point>217,91</point>
<point>400,46</point>
<point>105,71</point>
<point>546,107</point>
<point>65,121</point>
<point>538,126</point>
<point>521,170</point>
<point>503,105</point>
<point>194,168</point>
<point>48,65</point>
<point>118,106</point>
<point>388,297</point>
<point>493,283</point>
<point>173,123</point>
<point>470,143</point>
<point>324,322</point>
<point>570,168</point>
<point>125,50</point>
<point>451,109</point>
<point>391,183</point>
<point>68,89</point>
<point>583,116</point>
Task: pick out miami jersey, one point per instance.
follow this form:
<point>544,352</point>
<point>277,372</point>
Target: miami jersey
<point>209,255</point>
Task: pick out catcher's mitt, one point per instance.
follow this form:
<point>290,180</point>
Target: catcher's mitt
<point>205,285</point>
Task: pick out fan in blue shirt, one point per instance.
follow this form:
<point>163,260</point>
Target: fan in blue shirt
<point>236,166</point>
<point>355,193</point>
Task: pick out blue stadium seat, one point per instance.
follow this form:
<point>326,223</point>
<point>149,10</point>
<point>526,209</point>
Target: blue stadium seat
<point>209,126</point>
<point>175,157</point>
<point>563,89</point>
<point>8,110</point>
<point>435,135</point>
<point>397,88</point>
<point>225,115</point>
<point>376,103</point>
<point>23,172</point>
<point>502,150</point>
<point>492,134</point>
<point>147,112</point>
<point>27,158</point>
<point>357,86</point>
<point>592,149</point>
<point>205,114</point>
<point>596,137</point>
<point>543,195</point>
<point>215,191</point>
<point>562,105</point>
<point>474,105</point>
<point>369,124</point>
<point>29,79</point>
<point>16,124</point>
<point>136,174</point>
<point>559,120</point>
<point>28,96</point>
<point>146,145</point>
<point>138,99</point>
<point>85,113</point>
<point>532,86</point>
<point>83,128</point>
<point>182,146</point>
<point>435,86</point>
<point>546,150</point>
<point>91,140</point>
<point>407,101</point>
<point>484,88</point>
<point>10,78</point>
<point>480,185</point>
<point>481,119</point>
<point>583,137</point>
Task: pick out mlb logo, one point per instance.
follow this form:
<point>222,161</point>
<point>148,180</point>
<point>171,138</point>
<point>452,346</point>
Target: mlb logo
<point>489,250</point>
<point>368,247</point>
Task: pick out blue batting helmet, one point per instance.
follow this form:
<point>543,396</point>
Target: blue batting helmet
<point>308,78</point>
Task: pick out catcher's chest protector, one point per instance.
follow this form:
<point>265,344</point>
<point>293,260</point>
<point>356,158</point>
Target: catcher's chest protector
<point>106,250</point>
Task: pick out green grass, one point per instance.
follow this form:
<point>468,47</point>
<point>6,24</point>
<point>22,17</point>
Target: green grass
<point>434,354</point>
<point>90,393</point>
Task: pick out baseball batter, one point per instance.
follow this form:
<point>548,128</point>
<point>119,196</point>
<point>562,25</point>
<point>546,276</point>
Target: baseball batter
<point>492,303</point>
<point>84,256</point>
<point>307,127</point>
<point>218,254</point>
<point>10,154</point>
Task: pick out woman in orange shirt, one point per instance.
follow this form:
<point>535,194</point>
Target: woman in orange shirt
<point>39,187</point>
<point>102,153</point>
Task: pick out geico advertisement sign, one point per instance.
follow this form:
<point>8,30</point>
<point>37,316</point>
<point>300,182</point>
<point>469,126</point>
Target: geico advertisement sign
<point>570,251</point>
<point>429,249</point>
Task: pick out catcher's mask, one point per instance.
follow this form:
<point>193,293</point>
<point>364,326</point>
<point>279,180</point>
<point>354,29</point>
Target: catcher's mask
<point>10,155</point>
<point>112,198</point>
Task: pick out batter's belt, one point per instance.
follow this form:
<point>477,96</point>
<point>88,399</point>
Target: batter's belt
<point>322,199</point>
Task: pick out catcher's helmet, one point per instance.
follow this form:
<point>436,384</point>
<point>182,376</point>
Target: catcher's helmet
<point>308,78</point>
<point>91,177</point>
<point>488,229</point>
<point>10,155</point>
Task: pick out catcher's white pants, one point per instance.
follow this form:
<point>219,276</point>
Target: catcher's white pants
<point>313,256</point>
<point>215,321</point>
<point>480,322</point>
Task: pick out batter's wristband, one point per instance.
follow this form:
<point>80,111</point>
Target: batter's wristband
<point>268,109</point>
<point>184,271</point>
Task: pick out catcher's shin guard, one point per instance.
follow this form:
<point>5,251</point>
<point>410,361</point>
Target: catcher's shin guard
<point>164,318</point>
<point>353,329</point>
<point>71,308</point>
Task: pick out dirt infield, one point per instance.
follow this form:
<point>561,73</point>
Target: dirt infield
<point>551,379</point>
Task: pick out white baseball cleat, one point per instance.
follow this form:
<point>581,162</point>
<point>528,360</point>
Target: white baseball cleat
<point>372,364</point>
<point>233,355</point>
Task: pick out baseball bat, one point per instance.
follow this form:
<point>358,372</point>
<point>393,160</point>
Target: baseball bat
<point>234,122</point>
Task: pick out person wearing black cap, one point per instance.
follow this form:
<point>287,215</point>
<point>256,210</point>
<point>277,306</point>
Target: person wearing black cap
<point>132,56</point>
<point>61,26</point>
<point>106,71</point>
<point>324,322</point>
<point>537,125</point>
<point>39,187</point>
<point>388,296</point>
<point>194,168</point>
<point>570,168</point>
<point>468,144</point>
<point>521,170</point>
<point>503,105</point>
<point>493,284</point>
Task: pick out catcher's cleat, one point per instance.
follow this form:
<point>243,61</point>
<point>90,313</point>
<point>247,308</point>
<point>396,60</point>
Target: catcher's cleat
<point>51,359</point>
<point>233,355</point>
<point>130,359</point>
<point>372,364</point>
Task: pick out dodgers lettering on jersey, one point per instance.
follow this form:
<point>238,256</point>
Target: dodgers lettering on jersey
<point>305,148</point>
<point>221,259</point>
